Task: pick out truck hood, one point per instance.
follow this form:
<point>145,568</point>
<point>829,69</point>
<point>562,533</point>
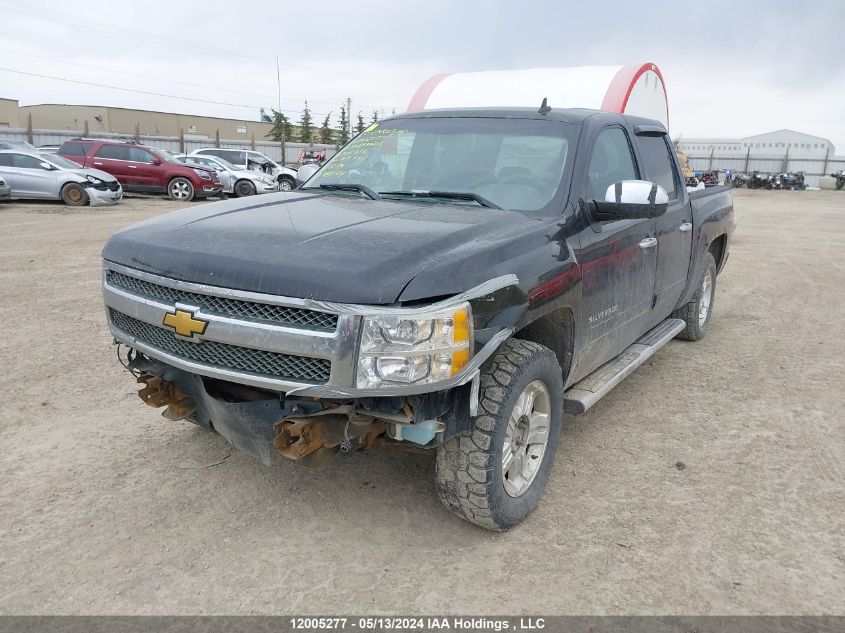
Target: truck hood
<point>325,247</point>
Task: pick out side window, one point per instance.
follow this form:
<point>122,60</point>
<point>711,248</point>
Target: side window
<point>5,160</point>
<point>72,149</point>
<point>657,163</point>
<point>113,152</point>
<point>140,155</point>
<point>26,162</point>
<point>612,161</point>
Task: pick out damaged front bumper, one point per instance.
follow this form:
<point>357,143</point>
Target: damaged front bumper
<point>310,431</point>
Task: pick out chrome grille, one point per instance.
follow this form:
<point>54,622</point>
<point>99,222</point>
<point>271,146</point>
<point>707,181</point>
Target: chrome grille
<point>251,310</point>
<point>224,356</point>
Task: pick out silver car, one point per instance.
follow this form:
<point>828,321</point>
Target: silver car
<point>253,161</point>
<point>238,182</point>
<point>49,176</point>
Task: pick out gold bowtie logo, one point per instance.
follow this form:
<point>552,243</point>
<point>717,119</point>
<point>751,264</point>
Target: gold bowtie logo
<point>184,323</point>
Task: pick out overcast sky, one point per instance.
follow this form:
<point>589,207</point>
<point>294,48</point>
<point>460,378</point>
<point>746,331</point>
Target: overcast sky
<point>732,68</point>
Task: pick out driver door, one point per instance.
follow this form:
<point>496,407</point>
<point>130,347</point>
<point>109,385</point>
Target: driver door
<point>618,259</point>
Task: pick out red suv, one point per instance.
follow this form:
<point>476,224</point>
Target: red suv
<point>141,168</point>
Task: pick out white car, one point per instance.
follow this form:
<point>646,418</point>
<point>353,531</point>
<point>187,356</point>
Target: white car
<point>238,182</point>
<point>33,174</point>
<point>253,161</point>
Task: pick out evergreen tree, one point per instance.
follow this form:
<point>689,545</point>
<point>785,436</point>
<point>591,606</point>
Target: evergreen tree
<point>305,130</point>
<point>281,128</point>
<point>375,117</point>
<point>326,133</point>
<point>344,126</point>
<point>359,127</point>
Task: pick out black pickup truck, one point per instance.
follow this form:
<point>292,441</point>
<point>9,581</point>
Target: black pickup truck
<point>458,280</point>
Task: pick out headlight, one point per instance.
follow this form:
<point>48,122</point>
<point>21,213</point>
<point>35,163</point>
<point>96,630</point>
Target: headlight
<point>93,180</point>
<point>203,174</point>
<point>399,349</point>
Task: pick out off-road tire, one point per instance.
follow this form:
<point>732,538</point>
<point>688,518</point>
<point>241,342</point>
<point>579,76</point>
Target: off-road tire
<point>468,467</point>
<point>690,311</point>
<point>286,183</point>
<point>74,195</point>
<point>244,188</point>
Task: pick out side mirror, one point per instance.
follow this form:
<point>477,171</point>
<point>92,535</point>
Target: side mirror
<point>157,161</point>
<point>630,200</point>
<point>304,174</point>
<point>46,166</point>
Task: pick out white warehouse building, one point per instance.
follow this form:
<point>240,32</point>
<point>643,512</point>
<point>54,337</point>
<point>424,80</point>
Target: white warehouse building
<point>771,152</point>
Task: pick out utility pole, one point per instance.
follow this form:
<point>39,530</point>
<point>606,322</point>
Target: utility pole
<point>282,139</point>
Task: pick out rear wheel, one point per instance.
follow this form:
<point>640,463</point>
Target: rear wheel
<point>244,188</point>
<point>286,183</point>
<point>495,474</point>
<point>180,189</point>
<point>74,195</point>
<point>698,311</point>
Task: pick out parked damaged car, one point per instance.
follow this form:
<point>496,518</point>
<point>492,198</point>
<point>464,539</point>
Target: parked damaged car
<point>51,177</point>
<point>456,280</point>
<point>253,161</point>
<point>238,182</point>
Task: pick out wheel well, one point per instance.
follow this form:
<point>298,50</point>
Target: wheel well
<point>554,330</point>
<point>286,177</point>
<point>717,249</point>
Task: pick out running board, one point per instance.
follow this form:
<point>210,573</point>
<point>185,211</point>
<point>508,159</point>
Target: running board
<point>589,390</point>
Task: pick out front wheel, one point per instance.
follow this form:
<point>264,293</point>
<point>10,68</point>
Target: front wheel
<point>180,189</point>
<point>286,184</point>
<point>495,474</point>
<point>74,195</point>
<point>244,188</point>
<point>697,312</point>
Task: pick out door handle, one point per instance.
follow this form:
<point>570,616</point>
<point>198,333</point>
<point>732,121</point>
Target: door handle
<point>96,163</point>
<point>649,242</point>
<point>132,166</point>
<point>686,226</point>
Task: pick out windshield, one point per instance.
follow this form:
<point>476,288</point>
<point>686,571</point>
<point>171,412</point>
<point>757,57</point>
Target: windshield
<point>59,161</point>
<point>511,163</point>
<point>170,158</point>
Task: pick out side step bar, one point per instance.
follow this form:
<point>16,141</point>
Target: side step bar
<point>590,389</point>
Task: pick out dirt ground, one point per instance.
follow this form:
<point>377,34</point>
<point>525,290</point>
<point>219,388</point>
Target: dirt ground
<point>107,508</point>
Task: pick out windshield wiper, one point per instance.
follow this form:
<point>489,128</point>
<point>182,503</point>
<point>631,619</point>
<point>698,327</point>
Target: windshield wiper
<point>449,195</point>
<point>350,186</point>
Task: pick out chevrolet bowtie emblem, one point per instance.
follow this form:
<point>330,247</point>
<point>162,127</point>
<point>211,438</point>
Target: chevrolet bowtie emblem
<point>184,323</point>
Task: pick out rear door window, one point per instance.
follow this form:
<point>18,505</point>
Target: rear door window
<point>26,162</point>
<point>73,149</point>
<point>113,152</point>
<point>658,164</point>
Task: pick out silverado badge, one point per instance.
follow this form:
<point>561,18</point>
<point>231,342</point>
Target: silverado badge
<point>184,323</point>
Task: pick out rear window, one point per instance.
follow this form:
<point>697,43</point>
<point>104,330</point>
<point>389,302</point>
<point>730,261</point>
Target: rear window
<point>114,152</point>
<point>73,149</point>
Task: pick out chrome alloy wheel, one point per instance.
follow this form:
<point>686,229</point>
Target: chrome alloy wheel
<point>180,190</point>
<point>706,298</point>
<point>526,438</point>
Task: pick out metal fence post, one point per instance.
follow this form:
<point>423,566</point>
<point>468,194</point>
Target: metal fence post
<point>283,143</point>
<point>710,165</point>
<point>826,156</point>
<point>217,138</point>
<point>181,140</point>
<point>29,128</point>
<point>786,160</point>
<point>747,158</point>
<point>86,132</point>
<point>252,143</point>
<point>137,132</point>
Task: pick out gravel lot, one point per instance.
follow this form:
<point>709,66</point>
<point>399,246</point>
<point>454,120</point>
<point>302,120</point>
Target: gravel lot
<point>709,482</point>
